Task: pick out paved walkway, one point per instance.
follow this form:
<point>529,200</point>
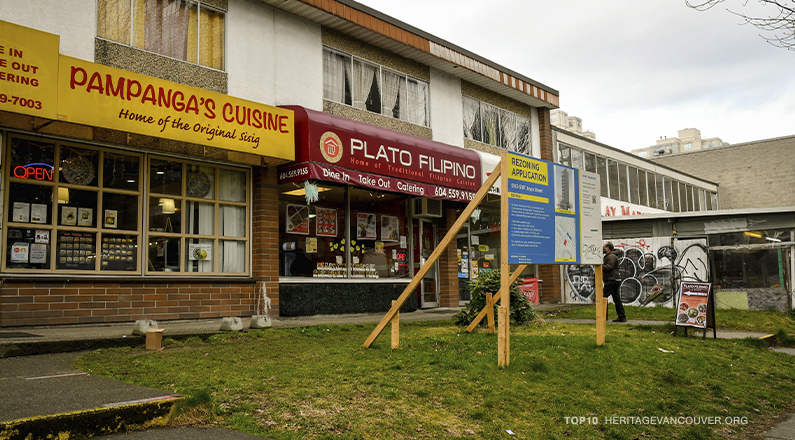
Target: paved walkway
<point>42,394</point>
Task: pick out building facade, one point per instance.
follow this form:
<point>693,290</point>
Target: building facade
<point>750,175</point>
<point>687,140</point>
<point>183,160</point>
<point>562,120</point>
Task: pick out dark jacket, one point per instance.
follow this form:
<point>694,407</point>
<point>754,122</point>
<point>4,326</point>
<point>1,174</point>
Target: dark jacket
<point>610,268</point>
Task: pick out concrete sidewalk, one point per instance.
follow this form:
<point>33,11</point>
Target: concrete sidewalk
<point>44,395</point>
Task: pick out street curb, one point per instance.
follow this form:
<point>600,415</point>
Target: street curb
<point>89,423</point>
<point>30,348</point>
<point>45,347</point>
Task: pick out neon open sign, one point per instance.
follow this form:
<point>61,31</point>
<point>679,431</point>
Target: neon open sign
<point>36,171</point>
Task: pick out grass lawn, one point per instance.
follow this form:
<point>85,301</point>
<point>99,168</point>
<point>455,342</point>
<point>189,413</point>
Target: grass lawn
<point>319,382</point>
<point>768,321</point>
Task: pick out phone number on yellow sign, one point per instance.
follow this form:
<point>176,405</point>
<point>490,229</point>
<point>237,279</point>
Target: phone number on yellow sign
<point>22,102</point>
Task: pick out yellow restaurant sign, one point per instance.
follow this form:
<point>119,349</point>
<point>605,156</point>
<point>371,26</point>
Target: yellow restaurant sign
<point>28,71</point>
<point>102,96</point>
<point>35,80</point>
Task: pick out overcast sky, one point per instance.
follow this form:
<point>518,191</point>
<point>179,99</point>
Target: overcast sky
<point>633,70</point>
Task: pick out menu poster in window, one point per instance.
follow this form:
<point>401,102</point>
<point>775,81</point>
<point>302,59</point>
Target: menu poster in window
<point>693,303</point>
<point>38,253</point>
<point>200,251</point>
<point>389,228</point>
<point>85,216</point>
<point>69,216</point>
<point>110,218</point>
<point>21,213</point>
<point>42,236</point>
<point>298,219</point>
<point>379,247</point>
<point>326,222</point>
<point>311,245</point>
<point>366,226</point>
<point>76,250</point>
<point>20,252</point>
<point>38,213</point>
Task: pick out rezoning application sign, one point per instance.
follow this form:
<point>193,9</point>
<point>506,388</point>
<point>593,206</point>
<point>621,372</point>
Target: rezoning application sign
<point>553,213</point>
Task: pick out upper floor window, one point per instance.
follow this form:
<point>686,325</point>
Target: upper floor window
<point>187,30</point>
<point>688,146</point>
<point>495,126</point>
<point>367,86</point>
<point>643,153</point>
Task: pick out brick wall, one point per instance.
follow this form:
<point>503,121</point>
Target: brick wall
<point>265,239</point>
<point>44,303</point>
<point>448,264</point>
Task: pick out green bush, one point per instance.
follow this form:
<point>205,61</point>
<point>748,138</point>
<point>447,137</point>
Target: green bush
<point>489,282</point>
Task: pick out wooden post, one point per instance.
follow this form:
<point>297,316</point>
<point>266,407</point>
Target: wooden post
<point>601,307</point>
<point>395,329</point>
<point>490,312</point>
<point>440,248</point>
<point>497,297</point>
<point>503,337</point>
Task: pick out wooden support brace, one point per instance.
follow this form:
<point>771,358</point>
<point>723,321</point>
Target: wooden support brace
<point>440,248</point>
<point>490,311</point>
<point>497,297</point>
<point>395,330</point>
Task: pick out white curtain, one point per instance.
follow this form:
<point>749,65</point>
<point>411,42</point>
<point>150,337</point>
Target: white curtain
<point>418,102</point>
<point>523,139</point>
<point>336,71</point>
<point>166,29</point>
<point>232,221</point>
<point>472,128</point>
<point>491,124</point>
<point>393,99</point>
<point>508,124</point>
<point>363,77</point>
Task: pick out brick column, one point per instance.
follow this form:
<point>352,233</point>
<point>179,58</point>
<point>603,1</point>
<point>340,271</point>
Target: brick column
<point>448,264</point>
<point>265,240</point>
<point>549,290</point>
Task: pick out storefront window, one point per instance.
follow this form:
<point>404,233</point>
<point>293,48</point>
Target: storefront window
<point>315,243</point>
<point>89,215</point>
<point>185,203</point>
<point>485,239</point>
<point>378,221</point>
<point>747,268</point>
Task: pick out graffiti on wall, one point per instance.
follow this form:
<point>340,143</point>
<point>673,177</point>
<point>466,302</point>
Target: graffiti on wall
<point>645,265</point>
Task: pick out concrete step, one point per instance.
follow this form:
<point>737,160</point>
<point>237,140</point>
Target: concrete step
<point>45,397</point>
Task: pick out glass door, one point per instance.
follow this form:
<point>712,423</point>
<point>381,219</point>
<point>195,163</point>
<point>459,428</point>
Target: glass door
<point>424,245</point>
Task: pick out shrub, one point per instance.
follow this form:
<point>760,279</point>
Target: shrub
<point>489,282</point>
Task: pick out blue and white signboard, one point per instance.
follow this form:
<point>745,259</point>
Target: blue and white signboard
<point>553,213</point>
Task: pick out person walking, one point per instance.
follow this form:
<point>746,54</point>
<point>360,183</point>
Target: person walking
<point>612,280</point>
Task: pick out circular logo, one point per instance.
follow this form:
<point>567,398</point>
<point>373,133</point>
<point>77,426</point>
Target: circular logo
<point>331,147</point>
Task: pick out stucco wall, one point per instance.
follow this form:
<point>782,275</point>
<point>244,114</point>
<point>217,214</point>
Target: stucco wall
<point>446,109</point>
<point>267,47</point>
<point>75,21</point>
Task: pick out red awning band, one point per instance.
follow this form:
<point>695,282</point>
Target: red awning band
<point>308,170</point>
<point>328,142</point>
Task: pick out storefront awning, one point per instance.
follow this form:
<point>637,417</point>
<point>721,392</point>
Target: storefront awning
<point>336,149</point>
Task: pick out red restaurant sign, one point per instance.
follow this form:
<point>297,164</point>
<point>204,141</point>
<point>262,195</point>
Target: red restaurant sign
<point>374,152</point>
<point>309,170</point>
